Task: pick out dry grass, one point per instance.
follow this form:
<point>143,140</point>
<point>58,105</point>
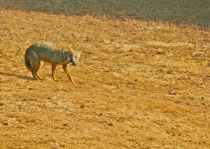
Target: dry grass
<point>137,84</point>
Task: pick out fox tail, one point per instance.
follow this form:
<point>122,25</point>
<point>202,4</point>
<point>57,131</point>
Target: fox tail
<point>27,61</point>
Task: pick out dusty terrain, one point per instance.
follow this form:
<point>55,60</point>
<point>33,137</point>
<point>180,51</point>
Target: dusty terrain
<point>139,83</point>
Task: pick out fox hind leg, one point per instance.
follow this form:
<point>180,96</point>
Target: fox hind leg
<point>53,71</point>
<point>37,69</point>
<point>35,64</point>
<point>65,68</point>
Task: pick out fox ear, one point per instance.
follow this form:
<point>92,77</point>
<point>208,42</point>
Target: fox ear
<point>70,49</point>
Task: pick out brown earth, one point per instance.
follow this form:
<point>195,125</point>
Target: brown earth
<point>139,83</point>
<point>177,11</point>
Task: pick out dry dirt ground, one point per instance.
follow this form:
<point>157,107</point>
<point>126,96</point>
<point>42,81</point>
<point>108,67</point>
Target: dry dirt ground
<point>139,84</point>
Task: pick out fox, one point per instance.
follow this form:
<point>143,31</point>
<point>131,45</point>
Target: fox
<point>38,53</point>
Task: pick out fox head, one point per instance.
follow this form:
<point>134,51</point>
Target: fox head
<point>74,56</point>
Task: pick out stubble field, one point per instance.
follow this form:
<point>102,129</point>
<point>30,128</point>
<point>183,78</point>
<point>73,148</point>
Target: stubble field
<point>139,83</point>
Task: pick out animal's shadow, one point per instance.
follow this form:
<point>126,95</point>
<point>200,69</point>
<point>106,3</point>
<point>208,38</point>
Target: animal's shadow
<point>16,75</point>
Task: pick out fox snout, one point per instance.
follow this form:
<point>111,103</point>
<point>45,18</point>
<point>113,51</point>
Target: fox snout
<point>72,62</point>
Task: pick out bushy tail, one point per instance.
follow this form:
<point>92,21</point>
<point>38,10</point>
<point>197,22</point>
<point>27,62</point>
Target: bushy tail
<point>27,61</point>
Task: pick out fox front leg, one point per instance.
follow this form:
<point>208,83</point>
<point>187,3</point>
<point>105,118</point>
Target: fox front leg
<point>65,68</point>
